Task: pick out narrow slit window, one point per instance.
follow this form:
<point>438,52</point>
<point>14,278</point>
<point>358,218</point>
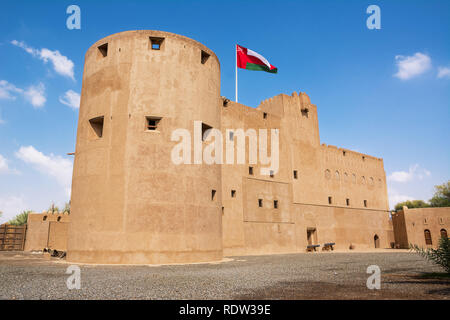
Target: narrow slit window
<point>264,115</point>
<point>103,50</point>
<point>275,204</point>
<point>205,57</point>
<point>330,200</point>
<point>260,203</point>
<point>365,203</point>
<point>213,195</point>
<point>271,173</point>
<point>156,43</point>
<point>97,126</point>
<point>295,174</point>
<point>233,193</point>
<point>152,123</point>
<point>250,171</point>
<point>347,201</point>
<point>231,135</point>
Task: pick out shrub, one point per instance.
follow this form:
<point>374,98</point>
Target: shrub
<point>440,256</point>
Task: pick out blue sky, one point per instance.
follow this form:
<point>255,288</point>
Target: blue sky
<point>381,92</point>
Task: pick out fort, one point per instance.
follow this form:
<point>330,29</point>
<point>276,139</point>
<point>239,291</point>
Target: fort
<point>131,204</point>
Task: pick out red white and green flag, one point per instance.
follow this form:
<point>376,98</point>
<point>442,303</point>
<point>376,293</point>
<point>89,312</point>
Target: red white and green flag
<point>251,60</point>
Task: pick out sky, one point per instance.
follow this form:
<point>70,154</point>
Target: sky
<point>384,92</point>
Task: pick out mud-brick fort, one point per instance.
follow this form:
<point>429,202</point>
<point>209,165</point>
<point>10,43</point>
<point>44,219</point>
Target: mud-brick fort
<point>131,204</point>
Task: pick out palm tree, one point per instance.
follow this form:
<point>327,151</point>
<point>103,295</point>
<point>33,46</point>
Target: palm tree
<point>20,219</point>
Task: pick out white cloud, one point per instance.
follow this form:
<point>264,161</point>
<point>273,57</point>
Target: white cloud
<point>52,165</point>
<point>396,197</point>
<point>61,64</point>
<point>443,72</point>
<point>36,95</point>
<point>11,206</point>
<point>71,99</point>
<point>7,90</point>
<point>411,66</point>
<point>33,94</point>
<point>414,172</point>
<point>4,167</point>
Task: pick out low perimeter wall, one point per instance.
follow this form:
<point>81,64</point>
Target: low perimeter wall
<point>46,231</point>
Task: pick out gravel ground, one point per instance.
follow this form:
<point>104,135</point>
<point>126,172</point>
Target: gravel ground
<point>291,276</point>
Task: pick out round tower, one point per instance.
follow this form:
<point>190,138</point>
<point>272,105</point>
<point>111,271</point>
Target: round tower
<point>130,203</point>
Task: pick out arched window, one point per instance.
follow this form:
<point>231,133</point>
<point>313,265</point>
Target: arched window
<point>427,234</point>
<point>376,241</point>
<point>444,233</point>
<point>363,180</point>
<point>371,181</point>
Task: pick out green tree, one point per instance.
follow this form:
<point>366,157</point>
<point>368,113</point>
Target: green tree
<point>441,196</point>
<point>411,204</point>
<point>440,256</point>
<point>20,219</point>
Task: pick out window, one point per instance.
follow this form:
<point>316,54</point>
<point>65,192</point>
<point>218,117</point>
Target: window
<point>205,128</point>
<point>213,194</point>
<point>103,50</point>
<point>364,158</point>
<point>44,218</point>
<point>205,57</point>
<point>233,193</point>
<point>304,112</point>
<point>271,173</point>
<point>260,203</point>
<point>231,135</point>
<point>97,127</point>
<point>365,203</point>
<point>275,204</point>
<point>223,210</point>
<point>58,219</point>
<point>250,171</point>
<point>264,115</point>
<point>343,153</point>
<point>427,234</point>
<point>295,174</point>
<point>347,201</point>
<point>444,233</point>
<point>156,43</point>
<point>330,200</point>
<point>152,123</point>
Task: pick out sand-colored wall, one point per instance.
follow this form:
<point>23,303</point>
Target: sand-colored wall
<point>46,230</point>
<point>410,225</point>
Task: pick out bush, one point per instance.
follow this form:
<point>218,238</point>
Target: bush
<point>440,256</point>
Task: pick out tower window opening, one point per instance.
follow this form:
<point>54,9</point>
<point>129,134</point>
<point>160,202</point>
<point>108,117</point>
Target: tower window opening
<point>97,126</point>
<point>205,57</point>
<point>347,201</point>
<point>295,174</point>
<point>365,203</point>
<point>231,135</point>
<point>152,123</point>
<point>260,203</point>
<point>271,173</point>
<point>213,195</point>
<point>156,43</point>
<point>343,153</point>
<point>275,204</point>
<point>250,171</point>
<point>205,132</point>
<point>233,193</point>
<point>304,112</point>
<point>103,50</point>
<point>330,200</point>
<point>264,115</point>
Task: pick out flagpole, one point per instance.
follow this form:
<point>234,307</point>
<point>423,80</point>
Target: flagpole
<point>235,52</point>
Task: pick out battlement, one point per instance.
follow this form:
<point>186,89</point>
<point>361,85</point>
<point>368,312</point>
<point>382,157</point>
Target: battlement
<point>346,152</point>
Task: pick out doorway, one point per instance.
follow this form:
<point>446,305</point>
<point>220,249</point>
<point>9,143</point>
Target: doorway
<point>311,235</point>
<point>376,241</point>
